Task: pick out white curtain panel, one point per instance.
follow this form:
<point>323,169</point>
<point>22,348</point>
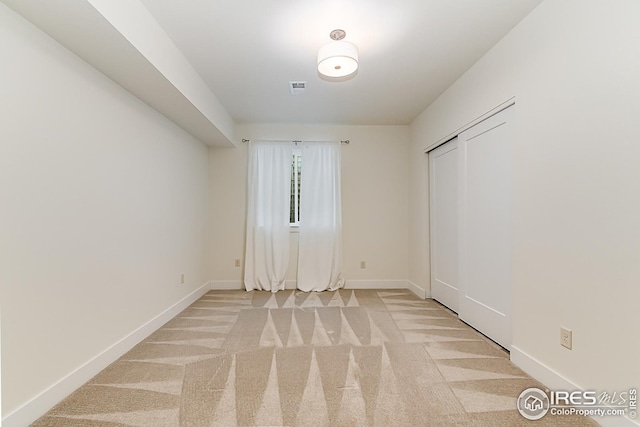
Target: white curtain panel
<point>269,191</point>
<point>320,234</point>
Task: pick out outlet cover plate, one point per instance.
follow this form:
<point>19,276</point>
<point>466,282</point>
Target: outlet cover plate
<point>566,338</point>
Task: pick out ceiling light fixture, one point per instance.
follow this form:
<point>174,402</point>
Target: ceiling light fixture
<point>338,58</point>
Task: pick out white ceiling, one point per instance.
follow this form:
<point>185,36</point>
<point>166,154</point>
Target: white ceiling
<point>208,65</point>
<point>410,51</point>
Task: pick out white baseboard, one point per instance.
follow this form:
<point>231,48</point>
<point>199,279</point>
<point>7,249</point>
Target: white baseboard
<point>555,381</point>
<point>420,293</point>
<point>540,371</point>
<point>375,284</point>
<point>43,402</point>
<point>230,285</point>
<point>349,284</point>
<point>226,285</point>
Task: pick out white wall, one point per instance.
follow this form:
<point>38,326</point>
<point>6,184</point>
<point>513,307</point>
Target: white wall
<point>374,197</point>
<point>574,67</point>
<point>103,205</point>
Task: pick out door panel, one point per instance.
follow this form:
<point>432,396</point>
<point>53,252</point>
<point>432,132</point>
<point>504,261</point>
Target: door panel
<point>443,196</point>
<point>485,231</point>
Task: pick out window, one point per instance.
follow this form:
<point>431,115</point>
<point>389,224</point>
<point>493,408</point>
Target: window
<point>296,170</point>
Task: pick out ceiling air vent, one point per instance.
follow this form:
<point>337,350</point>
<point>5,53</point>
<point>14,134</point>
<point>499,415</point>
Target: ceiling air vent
<point>296,88</point>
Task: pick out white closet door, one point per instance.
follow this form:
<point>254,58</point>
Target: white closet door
<point>443,218</point>
<point>485,230</point>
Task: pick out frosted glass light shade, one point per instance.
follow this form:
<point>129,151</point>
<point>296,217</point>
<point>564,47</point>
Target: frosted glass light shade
<point>338,59</point>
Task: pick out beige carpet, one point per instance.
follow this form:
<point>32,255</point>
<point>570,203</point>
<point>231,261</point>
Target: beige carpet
<point>351,357</point>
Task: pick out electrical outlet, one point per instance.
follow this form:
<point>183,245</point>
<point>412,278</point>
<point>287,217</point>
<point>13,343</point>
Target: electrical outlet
<point>237,263</point>
<point>363,264</point>
<point>566,338</point>
<point>182,279</point>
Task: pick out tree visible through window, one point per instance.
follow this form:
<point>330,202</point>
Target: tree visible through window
<point>294,206</point>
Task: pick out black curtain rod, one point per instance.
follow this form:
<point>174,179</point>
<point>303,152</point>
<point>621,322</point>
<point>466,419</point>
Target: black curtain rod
<point>344,141</point>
